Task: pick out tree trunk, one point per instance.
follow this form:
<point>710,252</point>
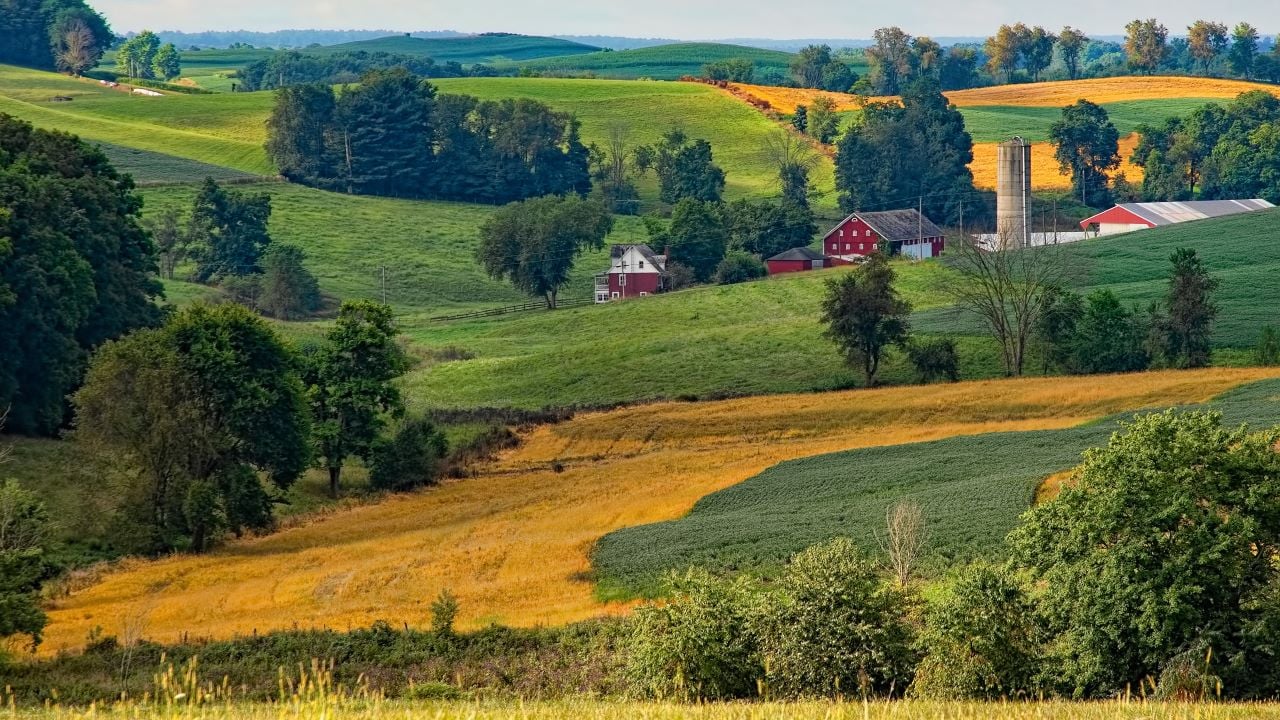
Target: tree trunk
<point>198,539</point>
<point>335,477</point>
<point>551,299</point>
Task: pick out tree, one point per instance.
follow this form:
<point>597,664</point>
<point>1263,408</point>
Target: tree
<point>349,381</point>
<point>901,152</point>
<point>809,63</point>
<point>534,243</point>
<point>1087,145</point>
<point>228,231</point>
<point>33,33</point>
<point>1161,548</point>
<point>1037,50</point>
<point>732,70</point>
<point>197,409</point>
<point>1191,310</point>
<point>170,240</point>
<point>24,525</point>
<point>288,291</point>
<point>75,49</point>
<point>865,315</point>
<point>795,160</point>
<point>905,537</point>
<point>300,134</point>
<point>822,121</point>
<point>1146,44</point>
<point>833,628</point>
<point>800,120</point>
<point>611,171</point>
<point>696,238</point>
<point>410,459</point>
<point>738,267</point>
<point>76,269</point>
<point>1108,338</point>
<point>766,228</point>
<point>167,63</point>
<point>384,129</point>
<point>1071,44</point>
<point>1244,49</point>
<point>136,58</point>
<point>890,59</point>
<point>1004,50</point>
<point>1267,351</point>
<point>1056,326</point>
<point>958,69</point>
<point>934,360</point>
<point>1206,41</point>
<point>685,168</point>
<point>1006,289</point>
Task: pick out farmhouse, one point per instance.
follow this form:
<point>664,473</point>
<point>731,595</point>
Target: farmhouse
<point>907,232</point>
<point>1127,217</point>
<point>797,260</point>
<point>634,271</point>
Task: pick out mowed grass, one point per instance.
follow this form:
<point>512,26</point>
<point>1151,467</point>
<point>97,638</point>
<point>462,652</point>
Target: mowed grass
<point>661,62</point>
<point>425,251</point>
<point>514,543</point>
<point>332,706</point>
<point>971,490</point>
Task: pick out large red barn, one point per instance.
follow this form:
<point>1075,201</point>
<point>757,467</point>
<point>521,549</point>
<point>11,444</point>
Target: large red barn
<point>907,232</point>
<point>1128,217</point>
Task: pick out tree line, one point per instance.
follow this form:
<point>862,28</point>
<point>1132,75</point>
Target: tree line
<point>285,69</point>
<point>144,56</point>
<point>393,135</point>
<point>63,35</point>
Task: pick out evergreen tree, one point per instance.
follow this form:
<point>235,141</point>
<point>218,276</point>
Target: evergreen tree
<point>300,134</point>
<point>24,527</point>
<point>288,291</point>
<point>384,132</point>
<point>1191,310</point>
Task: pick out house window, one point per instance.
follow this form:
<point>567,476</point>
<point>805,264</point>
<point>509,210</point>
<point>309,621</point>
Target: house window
<point>860,246</point>
<point>841,232</point>
<point>643,294</point>
<point>868,233</point>
<point>615,294</point>
<point>622,280</point>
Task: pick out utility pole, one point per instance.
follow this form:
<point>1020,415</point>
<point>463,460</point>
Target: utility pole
<point>383,269</point>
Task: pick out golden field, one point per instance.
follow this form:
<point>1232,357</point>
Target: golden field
<point>1045,94</point>
<point>513,543</point>
<point>1044,167</point>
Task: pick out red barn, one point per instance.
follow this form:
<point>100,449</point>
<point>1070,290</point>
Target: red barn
<point>906,231</point>
<point>797,260</point>
<point>634,271</point>
<point>1128,217</point>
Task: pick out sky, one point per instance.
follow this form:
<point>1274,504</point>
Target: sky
<point>680,19</point>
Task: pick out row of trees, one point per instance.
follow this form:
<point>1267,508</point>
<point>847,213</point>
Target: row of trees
<point>1216,152</point>
<point>391,135</point>
<point>63,35</point>
<point>143,56</point>
<point>1148,570</point>
<point>285,69</point>
<point>1208,49</point>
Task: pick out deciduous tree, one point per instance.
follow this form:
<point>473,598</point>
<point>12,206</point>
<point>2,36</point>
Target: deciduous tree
<point>24,527</point>
<point>1205,41</point>
<point>1244,49</point>
<point>697,237</point>
<point>865,315</point>
<point>1071,44</point>
<point>1086,144</point>
<point>228,231</point>
<point>287,290</point>
<point>1146,44</point>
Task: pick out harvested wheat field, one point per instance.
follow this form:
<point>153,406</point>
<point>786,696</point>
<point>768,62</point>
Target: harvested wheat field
<point>513,543</point>
<point>1045,174</point>
<point>1045,94</point>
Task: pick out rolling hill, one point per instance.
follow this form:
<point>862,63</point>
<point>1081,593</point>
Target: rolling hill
<point>514,543</point>
<point>488,49</point>
<point>660,62</point>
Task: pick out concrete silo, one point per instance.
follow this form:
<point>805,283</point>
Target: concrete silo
<point>1013,193</point>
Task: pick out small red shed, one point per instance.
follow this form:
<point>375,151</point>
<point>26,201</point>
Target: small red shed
<point>907,232</point>
<point>797,260</point>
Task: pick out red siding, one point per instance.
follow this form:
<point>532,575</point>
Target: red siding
<point>636,283</point>
<point>1115,216</point>
<point>851,238</point>
<point>777,267</point>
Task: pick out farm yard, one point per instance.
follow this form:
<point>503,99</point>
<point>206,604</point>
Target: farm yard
<point>494,542</point>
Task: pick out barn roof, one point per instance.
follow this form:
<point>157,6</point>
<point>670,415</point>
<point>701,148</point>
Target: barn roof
<point>1170,213</point>
<point>798,253</point>
<point>895,225</point>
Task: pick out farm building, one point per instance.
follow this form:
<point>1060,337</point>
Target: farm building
<point>906,231</point>
<point>797,260</point>
<point>1127,217</point>
<point>634,271</point>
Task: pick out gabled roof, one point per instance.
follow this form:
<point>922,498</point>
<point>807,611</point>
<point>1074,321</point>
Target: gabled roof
<point>895,225</point>
<point>798,253</point>
<point>1159,214</point>
<point>657,261</point>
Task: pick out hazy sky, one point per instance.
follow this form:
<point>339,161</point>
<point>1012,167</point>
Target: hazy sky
<point>684,19</point>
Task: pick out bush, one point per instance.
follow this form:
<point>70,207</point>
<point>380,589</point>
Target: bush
<point>1267,351</point>
<point>698,644</point>
<point>979,640</point>
<point>410,459</point>
<point>444,611</point>
<point>679,276</point>
<point>934,359</point>
<point>288,291</point>
<point>836,627</point>
<point>738,266</point>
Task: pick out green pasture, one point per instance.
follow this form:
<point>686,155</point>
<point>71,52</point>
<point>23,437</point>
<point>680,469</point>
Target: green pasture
<point>661,62</point>
<point>997,123</point>
<point>972,491</point>
<point>488,49</point>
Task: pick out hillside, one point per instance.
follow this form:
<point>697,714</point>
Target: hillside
<point>489,49</point>
<point>661,62</point>
<point>514,543</point>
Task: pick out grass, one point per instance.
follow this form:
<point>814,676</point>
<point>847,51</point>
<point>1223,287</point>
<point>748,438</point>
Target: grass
<point>513,544</point>
<point>660,62</point>
<point>488,49</point>
<point>971,489</point>
<point>152,168</point>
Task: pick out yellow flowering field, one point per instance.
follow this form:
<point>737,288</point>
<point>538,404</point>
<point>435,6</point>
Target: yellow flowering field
<point>513,543</point>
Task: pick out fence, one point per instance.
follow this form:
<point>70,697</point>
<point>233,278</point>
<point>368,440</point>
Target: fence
<point>526,307</point>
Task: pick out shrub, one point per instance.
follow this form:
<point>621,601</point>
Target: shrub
<point>1267,351</point>
<point>979,639</point>
<point>698,644</point>
<point>738,266</point>
<point>835,627</point>
<point>934,359</point>
<point>410,459</point>
<point>432,691</point>
<point>288,290</point>
<point>444,611</point>
<point>679,276</point>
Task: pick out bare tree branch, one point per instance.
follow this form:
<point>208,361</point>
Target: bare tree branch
<point>905,538</point>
